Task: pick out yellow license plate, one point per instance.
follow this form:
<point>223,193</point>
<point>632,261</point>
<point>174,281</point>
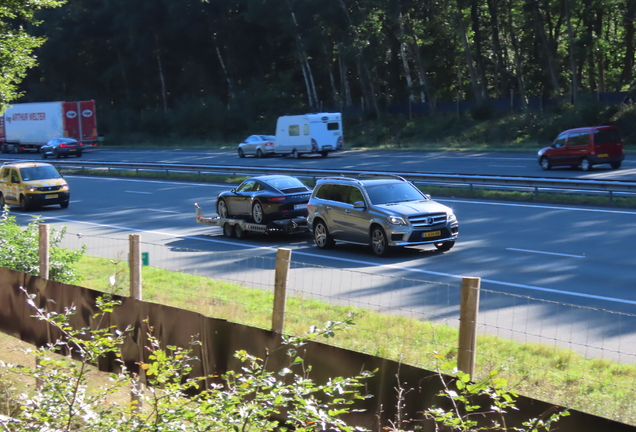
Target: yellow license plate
<point>603,155</point>
<point>51,196</point>
<point>432,234</point>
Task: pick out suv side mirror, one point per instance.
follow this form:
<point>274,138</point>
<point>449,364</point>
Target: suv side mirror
<point>359,205</point>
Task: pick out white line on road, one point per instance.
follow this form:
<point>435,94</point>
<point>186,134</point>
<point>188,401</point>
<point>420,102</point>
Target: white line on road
<point>139,192</point>
<point>353,261</point>
<point>546,253</point>
<point>594,210</point>
<point>164,211</point>
<point>507,166</point>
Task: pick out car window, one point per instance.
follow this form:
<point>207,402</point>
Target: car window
<point>327,192</point>
<point>333,126</point>
<point>393,192</point>
<point>355,195</point>
<point>294,130</point>
<point>247,186</point>
<point>606,136</point>
<point>282,183</point>
<point>4,174</point>
<point>560,141</point>
<point>579,139</point>
<point>39,173</point>
<point>306,129</point>
<point>14,177</point>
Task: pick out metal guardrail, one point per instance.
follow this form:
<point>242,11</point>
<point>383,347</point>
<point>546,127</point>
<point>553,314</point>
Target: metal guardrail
<point>534,183</point>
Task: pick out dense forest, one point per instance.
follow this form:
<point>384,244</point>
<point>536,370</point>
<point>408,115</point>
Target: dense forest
<point>221,68</point>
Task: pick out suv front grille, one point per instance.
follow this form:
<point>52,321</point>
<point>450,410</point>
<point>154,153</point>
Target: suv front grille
<point>428,220</point>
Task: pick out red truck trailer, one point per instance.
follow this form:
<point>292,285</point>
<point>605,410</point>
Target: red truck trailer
<point>28,126</point>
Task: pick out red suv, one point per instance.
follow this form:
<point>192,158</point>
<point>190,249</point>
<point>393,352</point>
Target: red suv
<point>584,148</point>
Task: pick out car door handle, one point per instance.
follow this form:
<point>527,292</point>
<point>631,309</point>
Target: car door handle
<point>328,207</point>
<point>347,211</point>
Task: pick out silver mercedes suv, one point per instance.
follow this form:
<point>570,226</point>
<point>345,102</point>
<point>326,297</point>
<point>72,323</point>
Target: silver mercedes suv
<point>380,211</point>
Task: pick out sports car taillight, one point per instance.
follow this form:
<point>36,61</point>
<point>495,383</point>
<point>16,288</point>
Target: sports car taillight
<point>276,199</point>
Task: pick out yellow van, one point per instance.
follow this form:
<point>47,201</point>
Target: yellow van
<point>32,184</point>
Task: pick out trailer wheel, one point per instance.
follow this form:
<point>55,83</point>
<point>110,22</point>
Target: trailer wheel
<point>238,232</point>
<point>228,230</point>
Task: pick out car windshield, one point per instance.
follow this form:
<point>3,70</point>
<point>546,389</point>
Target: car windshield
<point>387,193</point>
<point>39,173</point>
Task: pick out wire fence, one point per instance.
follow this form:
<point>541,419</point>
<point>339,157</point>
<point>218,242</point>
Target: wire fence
<point>576,356</point>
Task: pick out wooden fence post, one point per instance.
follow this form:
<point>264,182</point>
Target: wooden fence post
<point>468,325</point>
<point>134,263</point>
<point>283,258</point>
<point>43,250</point>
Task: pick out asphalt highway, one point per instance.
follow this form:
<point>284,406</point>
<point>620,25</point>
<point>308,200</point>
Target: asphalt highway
<point>553,274</point>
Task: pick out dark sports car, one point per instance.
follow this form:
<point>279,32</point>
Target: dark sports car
<point>265,198</point>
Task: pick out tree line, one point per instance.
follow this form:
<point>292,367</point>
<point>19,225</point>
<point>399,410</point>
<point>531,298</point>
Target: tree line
<point>216,68</point>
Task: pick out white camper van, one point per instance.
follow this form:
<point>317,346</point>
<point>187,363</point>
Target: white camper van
<point>308,133</point>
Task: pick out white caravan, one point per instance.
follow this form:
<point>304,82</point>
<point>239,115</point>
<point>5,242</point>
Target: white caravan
<point>308,133</point>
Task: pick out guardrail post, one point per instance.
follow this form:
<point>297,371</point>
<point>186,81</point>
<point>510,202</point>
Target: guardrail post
<point>468,325</point>
<point>283,259</point>
<point>43,250</point>
<point>611,196</point>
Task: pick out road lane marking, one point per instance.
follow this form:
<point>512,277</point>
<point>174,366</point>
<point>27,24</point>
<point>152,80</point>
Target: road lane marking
<point>164,211</point>
<point>546,253</point>
<point>139,192</point>
<point>539,206</point>
<point>354,261</point>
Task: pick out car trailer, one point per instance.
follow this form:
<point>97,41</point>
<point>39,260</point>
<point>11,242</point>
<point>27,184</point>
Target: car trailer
<point>233,227</point>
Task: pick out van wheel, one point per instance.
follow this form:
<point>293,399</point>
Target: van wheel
<point>615,165</point>
<point>444,246</point>
<point>258,215</point>
<point>2,203</point>
<point>64,205</point>
<point>295,154</point>
<point>585,164</point>
<point>324,154</point>
<point>23,203</point>
<point>322,237</point>
<point>545,163</point>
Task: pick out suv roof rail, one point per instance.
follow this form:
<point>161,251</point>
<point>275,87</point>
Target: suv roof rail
<point>365,175</point>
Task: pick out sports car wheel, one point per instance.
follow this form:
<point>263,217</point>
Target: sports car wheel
<point>257,213</point>
<point>221,209</point>
<point>240,153</point>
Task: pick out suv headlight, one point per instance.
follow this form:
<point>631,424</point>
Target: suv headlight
<point>64,187</point>
<point>396,220</point>
<point>452,217</point>
<point>31,188</point>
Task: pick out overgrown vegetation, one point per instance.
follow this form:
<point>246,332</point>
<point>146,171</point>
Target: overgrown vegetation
<point>19,250</point>
<point>548,373</point>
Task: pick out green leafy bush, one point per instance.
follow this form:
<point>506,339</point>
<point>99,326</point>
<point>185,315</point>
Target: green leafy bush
<point>19,250</point>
